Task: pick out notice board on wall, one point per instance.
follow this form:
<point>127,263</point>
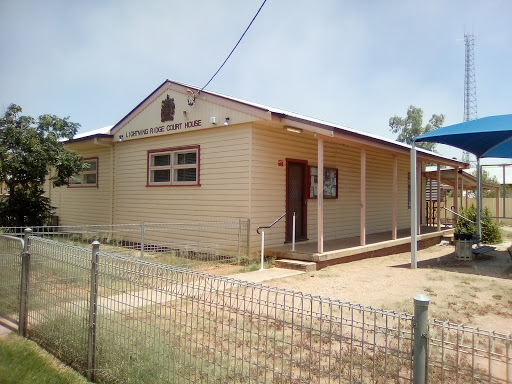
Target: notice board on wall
<point>330,183</point>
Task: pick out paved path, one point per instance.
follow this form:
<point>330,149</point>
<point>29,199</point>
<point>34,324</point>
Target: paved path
<point>131,300</point>
<point>265,275</point>
<point>6,327</point>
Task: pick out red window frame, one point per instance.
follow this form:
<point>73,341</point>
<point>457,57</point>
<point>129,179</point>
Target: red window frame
<point>172,167</point>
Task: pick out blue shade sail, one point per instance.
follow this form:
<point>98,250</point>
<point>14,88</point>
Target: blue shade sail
<point>485,137</point>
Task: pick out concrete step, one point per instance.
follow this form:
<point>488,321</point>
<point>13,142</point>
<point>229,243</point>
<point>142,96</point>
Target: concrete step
<point>298,265</point>
<point>448,238</point>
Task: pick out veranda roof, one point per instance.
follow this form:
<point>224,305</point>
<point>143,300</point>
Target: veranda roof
<point>468,182</point>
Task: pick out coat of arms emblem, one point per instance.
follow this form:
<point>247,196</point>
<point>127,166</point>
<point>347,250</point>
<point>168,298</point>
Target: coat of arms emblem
<point>168,108</point>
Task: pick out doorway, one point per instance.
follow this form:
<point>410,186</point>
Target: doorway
<point>296,199</point>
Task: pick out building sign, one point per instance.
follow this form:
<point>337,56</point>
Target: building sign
<point>168,123</point>
<point>161,129</point>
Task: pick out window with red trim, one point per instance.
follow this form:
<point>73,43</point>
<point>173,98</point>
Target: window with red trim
<point>173,166</point>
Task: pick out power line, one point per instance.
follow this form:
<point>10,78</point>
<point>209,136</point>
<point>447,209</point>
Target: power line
<point>227,58</point>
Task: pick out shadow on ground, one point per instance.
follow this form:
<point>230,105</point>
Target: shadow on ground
<point>496,263</point>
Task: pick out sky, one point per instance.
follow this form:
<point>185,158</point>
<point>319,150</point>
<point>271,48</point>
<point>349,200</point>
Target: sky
<point>350,62</point>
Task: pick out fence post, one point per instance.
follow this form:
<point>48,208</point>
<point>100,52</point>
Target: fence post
<point>25,272</point>
<point>142,240</point>
<point>420,348</point>
<point>93,303</point>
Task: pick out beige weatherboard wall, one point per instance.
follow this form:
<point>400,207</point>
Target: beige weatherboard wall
<point>88,204</point>
<point>242,153</point>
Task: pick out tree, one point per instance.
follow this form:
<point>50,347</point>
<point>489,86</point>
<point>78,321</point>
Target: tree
<point>29,148</point>
<point>412,126</point>
<point>487,178</point>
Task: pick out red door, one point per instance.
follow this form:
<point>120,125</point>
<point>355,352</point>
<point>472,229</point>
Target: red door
<point>296,199</point>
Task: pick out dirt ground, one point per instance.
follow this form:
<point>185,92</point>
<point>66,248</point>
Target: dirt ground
<point>476,293</point>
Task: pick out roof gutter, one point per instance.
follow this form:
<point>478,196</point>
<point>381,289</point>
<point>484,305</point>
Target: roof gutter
<point>95,138</point>
<point>346,135</point>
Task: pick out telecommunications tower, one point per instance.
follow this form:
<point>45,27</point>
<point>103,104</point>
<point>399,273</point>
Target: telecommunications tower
<point>469,85</point>
<point>470,112</point>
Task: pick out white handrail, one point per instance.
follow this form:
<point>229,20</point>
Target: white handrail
<point>455,213</point>
<point>262,250</point>
<point>263,237</point>
<point>293,233</point>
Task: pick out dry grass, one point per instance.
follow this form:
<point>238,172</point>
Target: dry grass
<point>477,292</point>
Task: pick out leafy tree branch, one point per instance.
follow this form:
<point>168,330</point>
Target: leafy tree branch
<point>29,149</point>
<point>412,125</point>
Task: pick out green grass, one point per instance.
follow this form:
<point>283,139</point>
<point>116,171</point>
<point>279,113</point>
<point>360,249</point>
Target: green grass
<point>128,350</point>
<point>255,266</point>
<point>22,361</point>
<point>250,264</point>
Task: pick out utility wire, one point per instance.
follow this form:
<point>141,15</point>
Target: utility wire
<point>233,50</point>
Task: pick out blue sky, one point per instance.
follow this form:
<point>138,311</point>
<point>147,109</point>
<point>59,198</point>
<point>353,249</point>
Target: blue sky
<point>354,63</point>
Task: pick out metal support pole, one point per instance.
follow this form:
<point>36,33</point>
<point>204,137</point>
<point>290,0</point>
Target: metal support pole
<point>438,213</point>
<point>25,273</point>
<point>142,240</point>
<point>479,199</point>
<point>504,193</point>
<point>262,249</point>
<point>414,209</point>
<point>293,233</point>
<point>93,302</point>
<point>420,348</point>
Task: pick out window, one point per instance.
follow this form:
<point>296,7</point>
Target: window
<point>173,166</point>
<point>88,177</point>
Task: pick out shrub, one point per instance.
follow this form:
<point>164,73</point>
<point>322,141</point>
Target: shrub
<point>491,233</point>
<point>465,226</point>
